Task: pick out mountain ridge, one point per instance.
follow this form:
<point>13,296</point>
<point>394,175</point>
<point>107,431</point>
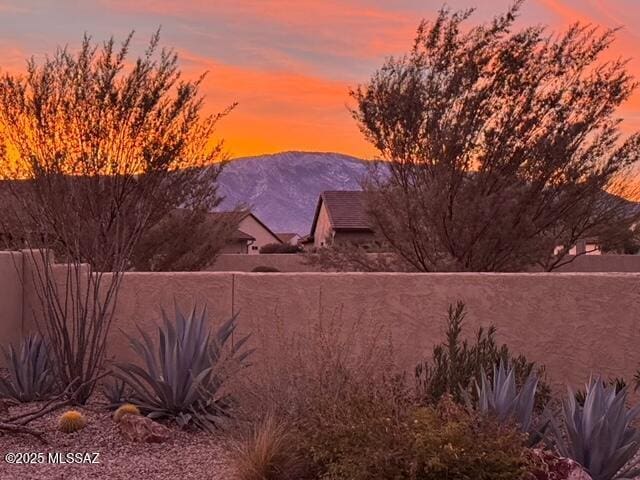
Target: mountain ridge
<point>283,188</point>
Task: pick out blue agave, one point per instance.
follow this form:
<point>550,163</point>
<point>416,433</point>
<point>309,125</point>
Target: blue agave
<point>599,435</point>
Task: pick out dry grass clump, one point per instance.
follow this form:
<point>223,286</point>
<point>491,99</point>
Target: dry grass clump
<point>266,452</point>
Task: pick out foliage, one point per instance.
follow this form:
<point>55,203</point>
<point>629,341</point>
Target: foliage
<point>116,392</point>
<point>267,452</point>
<point>280,248</point>
<point>430,443</point>
<point>457,364</point>
<point>501,144</point>
<point>351,257</point>
<point>350,416</point>
<point>126,409</point>
<point>618,383</point>
<point>71,421</point>
<point>501,400</point>
<point>31,375</point>
<point>98,150</point>
<point>599,435</point>
<point>184,375</point>
<point>185,240</point>
<point>264,268</point>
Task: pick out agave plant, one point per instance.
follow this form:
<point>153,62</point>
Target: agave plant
<point>116,392</point>
<point>30,374</point>
<point>599,434</point>
<point>501,399</point>
<point>183,375</point>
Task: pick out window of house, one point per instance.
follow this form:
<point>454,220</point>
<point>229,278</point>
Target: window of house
<point>254,247</point>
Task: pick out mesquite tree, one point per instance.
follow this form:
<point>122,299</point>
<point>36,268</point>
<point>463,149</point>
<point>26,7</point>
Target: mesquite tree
<point>98,152</point>
<point>503,147</point>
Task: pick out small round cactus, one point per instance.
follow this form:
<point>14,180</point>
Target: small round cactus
<point>72,421</point>
<point>125,409</point>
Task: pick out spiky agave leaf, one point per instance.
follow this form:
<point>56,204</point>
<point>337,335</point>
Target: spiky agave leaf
<point>30,374</point>
<point>599,434</point>
<point>501,399</point>
<point>182,376</point>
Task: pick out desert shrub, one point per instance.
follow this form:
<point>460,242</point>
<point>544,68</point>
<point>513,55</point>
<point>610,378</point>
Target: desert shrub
<point>184,375</point>
<point>425,443</point>
<point>280,248</point>
<point>30,371</point>
<point>457,365</point>
<point>313,377</point>
<point>264,268</point>
<point>266,452</point>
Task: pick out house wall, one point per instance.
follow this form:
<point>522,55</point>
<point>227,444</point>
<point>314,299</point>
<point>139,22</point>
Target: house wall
<point>252,227</point>
<point>323,234</point>
<point>235,248</point>
<point>353,237</point>
<point>577,324</point>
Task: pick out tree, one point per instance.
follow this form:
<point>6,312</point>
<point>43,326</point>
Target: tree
<point>500,145</point>
<point>98,153</point>
<point>185,240</point>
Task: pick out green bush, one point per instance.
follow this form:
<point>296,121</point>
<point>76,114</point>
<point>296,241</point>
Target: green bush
<point>457,364</point>
<point>429,443</point>
<point>264,268</point>
<point>280,248</point>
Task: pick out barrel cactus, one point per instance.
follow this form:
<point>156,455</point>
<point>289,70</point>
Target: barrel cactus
<point>126,409</point>
<point>71,421</point>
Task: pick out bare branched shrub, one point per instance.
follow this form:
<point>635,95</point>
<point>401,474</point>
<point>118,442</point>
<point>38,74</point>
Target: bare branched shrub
<point>96,152</point>
<point>313,377</point>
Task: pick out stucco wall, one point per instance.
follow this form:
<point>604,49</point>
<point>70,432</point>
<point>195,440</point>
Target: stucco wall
<point>285,262</point>
<point>11,272</point>
<point>575,323</point>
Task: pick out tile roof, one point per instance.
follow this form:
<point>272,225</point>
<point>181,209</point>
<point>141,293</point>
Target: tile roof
<point>346,210</point>
<point>285,236</point>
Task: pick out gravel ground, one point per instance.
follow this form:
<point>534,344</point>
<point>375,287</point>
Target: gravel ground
<point>186,456</point>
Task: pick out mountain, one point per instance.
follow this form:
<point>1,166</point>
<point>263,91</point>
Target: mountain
<point>283,188</point>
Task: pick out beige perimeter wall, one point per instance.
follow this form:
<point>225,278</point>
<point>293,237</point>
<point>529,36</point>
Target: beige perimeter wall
<point>575,323</point>
<point>228,262</point>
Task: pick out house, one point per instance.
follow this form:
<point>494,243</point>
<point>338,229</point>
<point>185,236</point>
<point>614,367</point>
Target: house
<point>584,246</point>
<point>340,216</point>
<point>290,238</point>
<point>250,235</point>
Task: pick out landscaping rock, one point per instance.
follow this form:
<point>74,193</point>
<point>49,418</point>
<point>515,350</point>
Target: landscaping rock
<point>142,429</point>
<point>548,466</point>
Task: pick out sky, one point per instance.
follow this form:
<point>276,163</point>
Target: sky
<point>288,63</point>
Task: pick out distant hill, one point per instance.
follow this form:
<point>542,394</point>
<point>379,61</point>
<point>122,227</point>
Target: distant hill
<point>284,187</point>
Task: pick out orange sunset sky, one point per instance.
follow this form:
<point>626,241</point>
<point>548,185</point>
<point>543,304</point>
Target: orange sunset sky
<point>288,63</point>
